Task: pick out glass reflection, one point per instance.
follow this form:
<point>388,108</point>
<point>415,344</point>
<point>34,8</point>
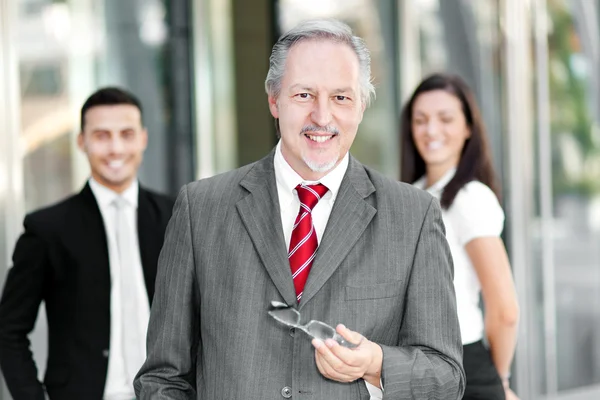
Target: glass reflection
<point>575,136</point>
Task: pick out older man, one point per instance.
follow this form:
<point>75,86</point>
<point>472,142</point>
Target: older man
<point>311,227</point>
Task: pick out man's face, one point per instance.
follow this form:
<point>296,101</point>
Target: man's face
<point>114,141</point>
<point>319,107</point>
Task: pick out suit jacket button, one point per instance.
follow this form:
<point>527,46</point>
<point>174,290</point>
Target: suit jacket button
<point>105,353</point>
<point>286,392</point>
<point>292,332</point>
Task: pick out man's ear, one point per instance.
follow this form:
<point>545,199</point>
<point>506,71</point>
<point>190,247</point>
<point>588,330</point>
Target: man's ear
<point>273,107</point>
<point>145,137</point>
<point>363,107</point>
<point>80,142</point>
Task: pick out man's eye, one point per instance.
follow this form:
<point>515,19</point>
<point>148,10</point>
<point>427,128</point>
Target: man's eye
<point>341,98</point>
<point>303,95</point>
<point>101,135</point>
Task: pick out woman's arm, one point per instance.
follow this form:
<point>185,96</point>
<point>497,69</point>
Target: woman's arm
<point>491,264</point>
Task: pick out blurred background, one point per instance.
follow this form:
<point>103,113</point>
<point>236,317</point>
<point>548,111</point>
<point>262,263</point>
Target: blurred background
<point>199,66</point>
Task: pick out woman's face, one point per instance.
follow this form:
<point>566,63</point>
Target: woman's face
<point>439,128</point>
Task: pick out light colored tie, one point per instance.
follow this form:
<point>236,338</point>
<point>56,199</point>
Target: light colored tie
<point>132,354</point>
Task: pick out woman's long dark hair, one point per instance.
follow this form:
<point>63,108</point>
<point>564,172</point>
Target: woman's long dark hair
<point>475,160</point>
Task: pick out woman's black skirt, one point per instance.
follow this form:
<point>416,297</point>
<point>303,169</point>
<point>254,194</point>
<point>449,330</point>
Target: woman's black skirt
<point>483,381</point>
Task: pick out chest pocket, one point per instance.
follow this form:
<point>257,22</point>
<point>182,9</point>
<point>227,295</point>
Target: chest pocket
<point>373,292</point>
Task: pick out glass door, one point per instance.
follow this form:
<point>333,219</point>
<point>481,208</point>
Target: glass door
<point>559,348</point>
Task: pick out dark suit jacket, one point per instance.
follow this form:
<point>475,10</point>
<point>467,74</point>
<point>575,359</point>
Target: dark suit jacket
<point>62,259</point>
<point>383,268</point>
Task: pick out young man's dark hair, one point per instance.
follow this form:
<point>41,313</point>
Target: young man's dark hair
<point>109,96</point>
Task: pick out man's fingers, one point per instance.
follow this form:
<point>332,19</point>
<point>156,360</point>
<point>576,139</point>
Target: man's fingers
<point>328,351</point>
<point>349,335</point>
<point>328,371</point>
<point>325,352</point>
<point>354,357</point>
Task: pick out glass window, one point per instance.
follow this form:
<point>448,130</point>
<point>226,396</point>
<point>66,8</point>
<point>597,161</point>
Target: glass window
<point>66,50</point>
<point>564,229</point>
<point>462,38</point>
<point>575,145</point>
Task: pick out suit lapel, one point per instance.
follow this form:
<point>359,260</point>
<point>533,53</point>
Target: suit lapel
<point>147,229</point>
<point>93,227</point>
<point>261,216</point>
<point>92,243</point>
<point>349,218</point>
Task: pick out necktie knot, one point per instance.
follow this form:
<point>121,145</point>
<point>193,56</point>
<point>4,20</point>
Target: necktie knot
<point>309,195</point>
<point>120,203</point>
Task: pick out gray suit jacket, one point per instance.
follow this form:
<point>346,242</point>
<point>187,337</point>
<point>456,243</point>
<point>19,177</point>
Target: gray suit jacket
<point>383,269</point>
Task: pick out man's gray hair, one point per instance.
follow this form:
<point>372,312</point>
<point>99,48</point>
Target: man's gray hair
<point>327,29</point>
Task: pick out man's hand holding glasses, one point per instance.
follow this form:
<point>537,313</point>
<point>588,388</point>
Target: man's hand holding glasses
<point>341,354</point>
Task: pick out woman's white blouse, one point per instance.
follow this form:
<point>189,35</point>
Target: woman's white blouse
<point>475,213</point>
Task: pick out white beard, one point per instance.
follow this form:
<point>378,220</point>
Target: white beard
<point>320,167</point>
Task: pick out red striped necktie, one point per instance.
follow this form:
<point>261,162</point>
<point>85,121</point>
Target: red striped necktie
<point>303,243</point>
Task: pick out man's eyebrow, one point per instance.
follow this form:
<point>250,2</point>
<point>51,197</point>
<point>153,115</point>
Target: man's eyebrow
<point>126,128</point>
<point>301,87</point>
<point>343,90</point>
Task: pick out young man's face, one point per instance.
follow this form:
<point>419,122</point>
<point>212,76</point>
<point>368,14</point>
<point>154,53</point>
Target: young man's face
<point>114,141</point>
<point>319,107</point>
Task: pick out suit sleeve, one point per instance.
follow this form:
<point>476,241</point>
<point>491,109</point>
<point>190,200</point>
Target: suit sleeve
<point>169,370</point>
<point>427,363</point>
<point>19,306</point>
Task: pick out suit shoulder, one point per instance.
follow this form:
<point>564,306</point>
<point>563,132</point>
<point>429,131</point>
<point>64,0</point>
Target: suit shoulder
<point>388,187</point>
<point>215,185</point>
<point>163,200</point>
<point>51,217</point>
<point>54,212</point>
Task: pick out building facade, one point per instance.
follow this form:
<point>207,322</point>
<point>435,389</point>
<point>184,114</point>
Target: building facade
<point>199,68</point>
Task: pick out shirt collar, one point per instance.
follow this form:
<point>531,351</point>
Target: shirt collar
<point>287,179</point>
<point>105,196</point>
<point>438,186</point>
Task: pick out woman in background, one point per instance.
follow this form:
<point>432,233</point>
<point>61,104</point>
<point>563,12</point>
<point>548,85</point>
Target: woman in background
<point>444,150</point>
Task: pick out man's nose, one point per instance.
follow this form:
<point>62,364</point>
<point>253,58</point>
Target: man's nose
<point>321,114</point>
<point>116,144</point>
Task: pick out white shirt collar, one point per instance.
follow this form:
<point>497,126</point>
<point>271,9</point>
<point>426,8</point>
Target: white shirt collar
<point>105,196</point>
<point>287,179</point>
<point>437,187</point>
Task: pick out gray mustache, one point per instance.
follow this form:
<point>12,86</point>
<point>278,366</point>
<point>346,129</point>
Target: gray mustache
<point>320,129</point>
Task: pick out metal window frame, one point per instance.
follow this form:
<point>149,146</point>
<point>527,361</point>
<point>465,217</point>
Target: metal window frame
<point>525,25</point>
<point>519,199</point>
<point>214,89</point>
<point>540,36</point>
<point>11,179</point>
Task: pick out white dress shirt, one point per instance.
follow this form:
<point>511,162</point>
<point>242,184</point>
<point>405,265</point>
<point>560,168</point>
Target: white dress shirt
<point>118,387</point>
<point>287,179</point>
<point>475,213</point>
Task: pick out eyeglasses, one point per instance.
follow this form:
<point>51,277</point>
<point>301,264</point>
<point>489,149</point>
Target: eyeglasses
<point>320,330</point>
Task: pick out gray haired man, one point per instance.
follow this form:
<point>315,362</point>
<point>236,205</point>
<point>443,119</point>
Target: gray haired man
<point>313,233</point>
